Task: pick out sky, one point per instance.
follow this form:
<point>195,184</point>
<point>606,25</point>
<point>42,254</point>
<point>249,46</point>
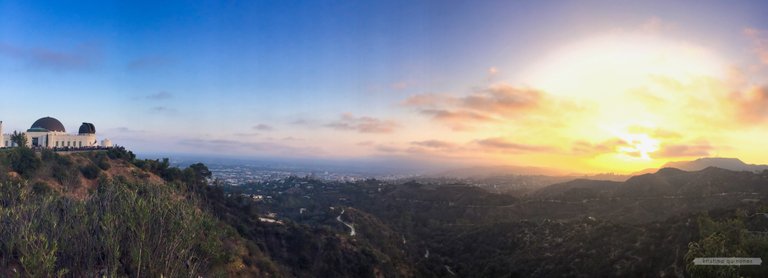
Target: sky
<point>582,86</point>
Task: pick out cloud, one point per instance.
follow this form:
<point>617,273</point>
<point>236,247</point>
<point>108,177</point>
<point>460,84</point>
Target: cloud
<point>501,144</point>
<point>149,62</point>
<point>162,109</point>
<point>759,40</point>
<point>365,143</point>
<point>659,133</point>
<point>162,95</point>
<point>263,127</point>
<point>237,147</point>
<point>495,103</point>
<point>81,57</point>
<point>426,100</point>
<point>246,134</point>
<point>399,85</point>
<point>655,25</point>
<point>433,144</point>
<point>363,124</point>
<point>684,150</point>
<point>301,122</point>
<point>607,146</point>
<point>123,129</point>
<point>459,119</point>
<point>503,99</point>
<point>388,149</point>
<point>492,71</point>
<point>752,105</point>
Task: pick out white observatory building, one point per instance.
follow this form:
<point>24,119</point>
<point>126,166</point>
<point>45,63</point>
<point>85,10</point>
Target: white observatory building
<point>48,132</point>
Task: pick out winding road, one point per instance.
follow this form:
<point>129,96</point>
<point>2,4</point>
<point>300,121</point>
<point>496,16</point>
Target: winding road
<point>352,228</point>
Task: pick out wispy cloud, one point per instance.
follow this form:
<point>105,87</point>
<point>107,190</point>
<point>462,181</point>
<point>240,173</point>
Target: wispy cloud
<point>123,129</point>
<point>591,149</point>
<point>501,144</point>
<point>433,144</point>
<point>363,124</point>
<point>163,110</point>
<point>263,127</point>
<point>759,40</point>
<point>655,25</point>
<point>248,134</point>
<point>402,85</point>
<point>700,149</point>
<point>81,57</point>
<point>236,146</point>
<point>162,95</point>
<point>752,105</point>
<point>492,104</point>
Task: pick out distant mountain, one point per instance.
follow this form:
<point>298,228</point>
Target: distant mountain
<point>733,164</point>
<point>665,182</point>
<point>657,196</point>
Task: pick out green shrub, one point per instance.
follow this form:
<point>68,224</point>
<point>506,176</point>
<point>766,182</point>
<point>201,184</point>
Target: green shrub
<point>90,171</point>
<point>103,163</point>
<point>41,188</point>
<point>24,161</point>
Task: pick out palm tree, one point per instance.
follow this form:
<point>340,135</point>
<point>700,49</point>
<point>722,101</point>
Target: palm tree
<point>19,139</point>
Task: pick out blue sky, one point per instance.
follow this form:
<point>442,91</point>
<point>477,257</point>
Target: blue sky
<point>298,78</point>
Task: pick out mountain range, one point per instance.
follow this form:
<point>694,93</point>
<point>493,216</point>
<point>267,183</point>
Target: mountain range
<point>733,164</point>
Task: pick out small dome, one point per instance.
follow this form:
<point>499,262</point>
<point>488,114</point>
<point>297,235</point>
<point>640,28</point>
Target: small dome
<point>47,124</point>
<point>87,128</point>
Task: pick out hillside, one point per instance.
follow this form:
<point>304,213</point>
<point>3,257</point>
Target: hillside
<point>139,218</point>
<point>581,228</point>
<point>109,214</point>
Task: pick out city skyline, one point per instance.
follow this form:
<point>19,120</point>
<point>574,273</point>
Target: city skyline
<point>579,86</point>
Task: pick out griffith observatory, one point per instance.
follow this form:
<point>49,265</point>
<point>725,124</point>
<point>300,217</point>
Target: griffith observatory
<point>49,133</point>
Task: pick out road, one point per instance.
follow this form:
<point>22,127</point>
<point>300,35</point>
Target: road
<point>351,228</point>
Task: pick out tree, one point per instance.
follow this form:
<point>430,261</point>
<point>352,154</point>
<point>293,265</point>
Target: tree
<point>24,161</point>
<point>19,139</point>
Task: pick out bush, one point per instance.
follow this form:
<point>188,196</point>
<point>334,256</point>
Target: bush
<point>120,152</point>
<point>24,161</point>
<point>41,188</point>
<point>103,163</point>
<point>90,172</point>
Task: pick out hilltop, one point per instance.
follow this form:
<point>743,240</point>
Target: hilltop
<point>73,174</point>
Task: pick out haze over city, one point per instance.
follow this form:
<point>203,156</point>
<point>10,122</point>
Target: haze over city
<point>616,87</point>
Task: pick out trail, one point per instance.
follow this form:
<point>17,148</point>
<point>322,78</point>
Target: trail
<point>352,228</point>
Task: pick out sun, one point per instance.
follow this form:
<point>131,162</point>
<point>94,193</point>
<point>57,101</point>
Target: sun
<point>638,146</point>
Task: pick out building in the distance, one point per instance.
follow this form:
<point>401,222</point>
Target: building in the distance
<point>50,133</point>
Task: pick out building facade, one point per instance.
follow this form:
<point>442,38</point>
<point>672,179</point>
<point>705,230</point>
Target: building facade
<point>49,132</point>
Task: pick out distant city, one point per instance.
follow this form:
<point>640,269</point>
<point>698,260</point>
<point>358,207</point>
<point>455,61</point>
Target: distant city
<point>236,172</point>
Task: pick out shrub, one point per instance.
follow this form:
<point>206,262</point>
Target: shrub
<point>24,161</point>
<point>41,188</point>
<point>90,171</point>
<point>103,163</point>
<point>120,152</point>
